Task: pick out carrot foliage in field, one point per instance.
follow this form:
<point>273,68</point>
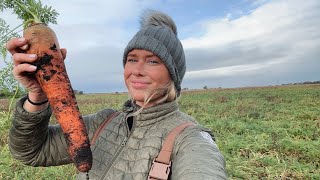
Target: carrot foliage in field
<point>264,133</point>
<point>30,11</point>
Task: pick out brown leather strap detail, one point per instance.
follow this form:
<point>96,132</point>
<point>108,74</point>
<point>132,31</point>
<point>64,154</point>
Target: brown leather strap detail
<point>161,165</point>
<point>167,147</point>
<point>102,126</point>
<point>159,171</point>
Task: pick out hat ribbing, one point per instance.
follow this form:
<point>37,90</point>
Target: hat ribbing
<point>158,34</point>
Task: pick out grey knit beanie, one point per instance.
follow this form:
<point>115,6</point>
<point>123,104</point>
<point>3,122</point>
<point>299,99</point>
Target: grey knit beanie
<point>158,34</point>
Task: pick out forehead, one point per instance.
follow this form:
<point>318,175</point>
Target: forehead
<point>141,52</point>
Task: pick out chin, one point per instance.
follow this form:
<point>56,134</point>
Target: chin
<point>137,96</point>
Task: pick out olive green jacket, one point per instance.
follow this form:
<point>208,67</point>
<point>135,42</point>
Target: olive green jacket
<point>118,152</point>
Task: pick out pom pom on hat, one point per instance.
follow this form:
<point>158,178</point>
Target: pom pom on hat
<point>156,18</point>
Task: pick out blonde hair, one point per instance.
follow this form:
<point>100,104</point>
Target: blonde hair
<point>169,94</point>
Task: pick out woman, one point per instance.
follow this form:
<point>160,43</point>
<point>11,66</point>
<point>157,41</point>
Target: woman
<point>154,66</point>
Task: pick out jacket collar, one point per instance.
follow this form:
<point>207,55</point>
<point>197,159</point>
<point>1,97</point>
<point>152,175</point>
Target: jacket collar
<point>152,114</point>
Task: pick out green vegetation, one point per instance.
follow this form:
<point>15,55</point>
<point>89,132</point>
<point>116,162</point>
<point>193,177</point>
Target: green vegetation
<point>8,85</point>
<point>29,11</point>
<point>263,133</point>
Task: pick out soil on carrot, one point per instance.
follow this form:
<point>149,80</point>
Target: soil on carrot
<point>53,71</point>
<point>53,47</point>
<point>83,154</point>
<point>43,61</point>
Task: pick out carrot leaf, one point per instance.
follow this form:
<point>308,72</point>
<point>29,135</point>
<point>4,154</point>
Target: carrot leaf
<point>30,11</point>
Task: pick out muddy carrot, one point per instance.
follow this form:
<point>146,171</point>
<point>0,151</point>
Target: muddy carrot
<point>53,78</point>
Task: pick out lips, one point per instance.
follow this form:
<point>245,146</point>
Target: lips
<point>139,84</point>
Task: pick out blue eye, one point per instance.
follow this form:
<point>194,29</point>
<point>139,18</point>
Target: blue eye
<point>131,60</point>
<point>153,61</point>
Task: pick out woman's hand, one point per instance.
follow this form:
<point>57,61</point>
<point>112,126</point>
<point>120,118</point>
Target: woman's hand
<point>23,70</point>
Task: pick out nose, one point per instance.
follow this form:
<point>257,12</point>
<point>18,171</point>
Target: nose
<point>138,69</point>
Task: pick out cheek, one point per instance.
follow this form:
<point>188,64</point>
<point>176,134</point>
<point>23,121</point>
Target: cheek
<point>126,71</point>
<point>126,75</point>
<point>162,76</point>
<point>167,77</point>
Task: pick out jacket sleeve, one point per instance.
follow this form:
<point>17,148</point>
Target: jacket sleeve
<point>36,143</point>
<point>196,156</point>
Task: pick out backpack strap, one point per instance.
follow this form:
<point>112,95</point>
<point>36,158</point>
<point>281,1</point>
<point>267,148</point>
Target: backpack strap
<point>160,168</point>
<point>102,126</point>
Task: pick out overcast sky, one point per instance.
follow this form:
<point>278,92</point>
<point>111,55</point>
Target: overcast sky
<point>232,43</point>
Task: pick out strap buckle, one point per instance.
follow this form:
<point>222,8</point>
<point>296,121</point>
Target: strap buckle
<point>159,170</point>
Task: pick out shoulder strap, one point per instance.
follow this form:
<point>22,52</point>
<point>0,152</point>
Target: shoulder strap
<point>102,126</point>
<point>160,168</point>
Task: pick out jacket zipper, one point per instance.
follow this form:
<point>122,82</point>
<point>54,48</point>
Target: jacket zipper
<point>123,143</point>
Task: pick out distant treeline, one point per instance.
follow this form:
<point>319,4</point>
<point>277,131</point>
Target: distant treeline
<point>77,92</point>
<point>306,82</point>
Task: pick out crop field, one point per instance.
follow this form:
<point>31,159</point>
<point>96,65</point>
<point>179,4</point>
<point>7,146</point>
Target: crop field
<point>263,132</point>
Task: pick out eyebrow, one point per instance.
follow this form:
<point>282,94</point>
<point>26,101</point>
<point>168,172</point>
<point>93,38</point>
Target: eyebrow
<point>134,55</point>
<point>151,55</point>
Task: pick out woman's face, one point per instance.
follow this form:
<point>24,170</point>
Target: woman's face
<point>144,72</point>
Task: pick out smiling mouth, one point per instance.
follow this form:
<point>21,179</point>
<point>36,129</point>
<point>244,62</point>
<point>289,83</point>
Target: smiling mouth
<point>139,85</point>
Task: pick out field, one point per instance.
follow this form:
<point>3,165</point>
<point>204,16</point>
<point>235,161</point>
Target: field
<point>263,132</point>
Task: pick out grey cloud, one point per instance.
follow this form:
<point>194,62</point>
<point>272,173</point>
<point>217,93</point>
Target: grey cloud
<point>97,69</point>
<point>294,44</point>
<point>293,70</point>
<point>232,54</point>
<point>94,61</point>
<point>88,12</point>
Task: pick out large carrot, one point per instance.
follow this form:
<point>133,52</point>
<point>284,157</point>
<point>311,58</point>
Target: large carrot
<point>52,76</point>
<point>54,81</point>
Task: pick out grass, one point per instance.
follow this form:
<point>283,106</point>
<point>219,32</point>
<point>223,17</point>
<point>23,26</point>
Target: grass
<point>263,132</point>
